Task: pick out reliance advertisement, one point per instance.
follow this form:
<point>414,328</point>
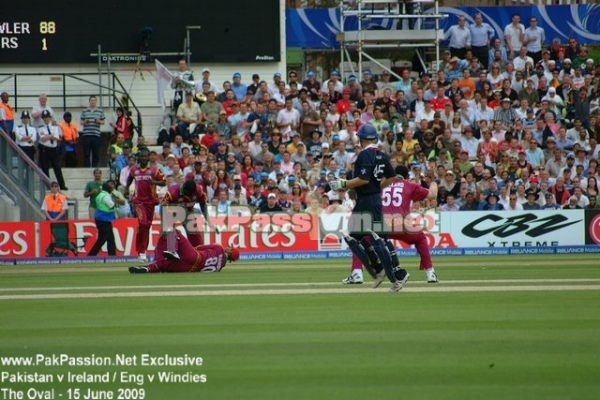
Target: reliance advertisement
<point>448,233</point>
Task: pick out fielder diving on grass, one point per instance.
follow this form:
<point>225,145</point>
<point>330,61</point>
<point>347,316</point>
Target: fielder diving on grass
<point>175,253</point>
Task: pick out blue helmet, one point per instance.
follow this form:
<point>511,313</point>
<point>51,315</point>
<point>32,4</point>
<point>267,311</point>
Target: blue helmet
<point>367,132</point>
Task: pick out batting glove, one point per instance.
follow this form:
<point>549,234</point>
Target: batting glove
<point>339,184</point>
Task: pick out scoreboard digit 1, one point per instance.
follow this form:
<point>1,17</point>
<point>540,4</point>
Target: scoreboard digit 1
<point>47,28</point>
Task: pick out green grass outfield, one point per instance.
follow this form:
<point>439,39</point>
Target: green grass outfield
<point>502,327</point>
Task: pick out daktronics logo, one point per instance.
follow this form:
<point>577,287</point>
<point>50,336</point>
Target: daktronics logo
<point>528,224</point>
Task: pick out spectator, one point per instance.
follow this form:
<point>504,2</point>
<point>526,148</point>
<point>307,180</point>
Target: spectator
<point>513,203</point>
<point>513,34</point>
<point>70,134</point>
<point>531,203</point>
<point>36,111</point>
<point>271,205</point>
<point>123,125</point>
<point>131,162</point>
<point>92,188</point>
<point>92,118</point>
<point>450,204</point>
<point>592,203</point>
<point>121,159</point>
<point>523,60</point>
<point>314,204</point>
<point>50,138</point>
<point>55,205</point>
<point>7,114</point>
<point>500,49</point>
<point>26,136</point>
<point>460,38</point>
<point>288,120</point>
<point>178,145</point>
<point>549,203</point>
<point>470,204</point>
<point>582,199</point>
<point>534,38</point>
<point>572,205</point>
<point>491,203</point>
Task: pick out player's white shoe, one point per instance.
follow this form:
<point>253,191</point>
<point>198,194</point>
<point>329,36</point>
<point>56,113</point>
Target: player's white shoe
<point>171,255</point>
<point>431,276</point>
<point>379,279</point>
<point>397,286</point>
<point>354,279</point>
<point>142,257</point>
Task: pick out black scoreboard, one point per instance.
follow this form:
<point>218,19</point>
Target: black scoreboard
<point>61,31</point>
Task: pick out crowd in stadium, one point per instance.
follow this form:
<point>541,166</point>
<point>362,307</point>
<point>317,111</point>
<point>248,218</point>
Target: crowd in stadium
<point>501,125</point>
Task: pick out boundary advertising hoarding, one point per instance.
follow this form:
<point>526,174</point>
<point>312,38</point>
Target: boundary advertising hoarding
<point>448,233</point>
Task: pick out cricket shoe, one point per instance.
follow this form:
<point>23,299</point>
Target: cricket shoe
<point>353,279</point>
<point>139,270</point>
<point>431,277</point>
<point>397,286</point>
<point>379,279</point>
<point>142,257</point>
<point>171,255</point>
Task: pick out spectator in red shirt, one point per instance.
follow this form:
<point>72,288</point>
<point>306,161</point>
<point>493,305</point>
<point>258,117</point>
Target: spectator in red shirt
<point>211,135</point>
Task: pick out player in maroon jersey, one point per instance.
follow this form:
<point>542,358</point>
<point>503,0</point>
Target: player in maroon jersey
<point>396,205</point>
<point>186,195</point>
<point>146,178</point>
<point>204,258</point>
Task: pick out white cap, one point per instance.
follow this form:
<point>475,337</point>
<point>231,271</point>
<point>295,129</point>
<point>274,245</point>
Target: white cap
<point>205,70</point>
<point>273,195</point>
<point>325,145</point>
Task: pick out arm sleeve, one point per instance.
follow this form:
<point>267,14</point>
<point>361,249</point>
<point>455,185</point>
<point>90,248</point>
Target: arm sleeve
<point>420,193</point>
<point>108,201</point>
<point>363,167</point>
<point>158,175</point>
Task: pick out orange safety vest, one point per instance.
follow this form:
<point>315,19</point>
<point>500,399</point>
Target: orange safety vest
<point>10,115</point>
<point>55,204</point>
<point>70,132</point>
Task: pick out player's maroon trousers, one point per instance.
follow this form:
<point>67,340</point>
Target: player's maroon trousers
<point>144,200</point>
<point>145,215</point>
<point>420,241</point>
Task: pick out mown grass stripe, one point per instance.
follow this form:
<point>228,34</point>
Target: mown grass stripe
<point>341,290</point>
<point>295,284</point>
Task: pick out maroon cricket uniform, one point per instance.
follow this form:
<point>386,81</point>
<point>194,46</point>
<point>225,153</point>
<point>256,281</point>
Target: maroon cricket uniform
<point>175,197</point>
<point>144,200</point>
<point>396,202</point>
<point>203,258</point>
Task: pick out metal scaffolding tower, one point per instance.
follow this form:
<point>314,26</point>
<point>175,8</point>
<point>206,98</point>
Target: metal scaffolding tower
<point>412,29</point>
